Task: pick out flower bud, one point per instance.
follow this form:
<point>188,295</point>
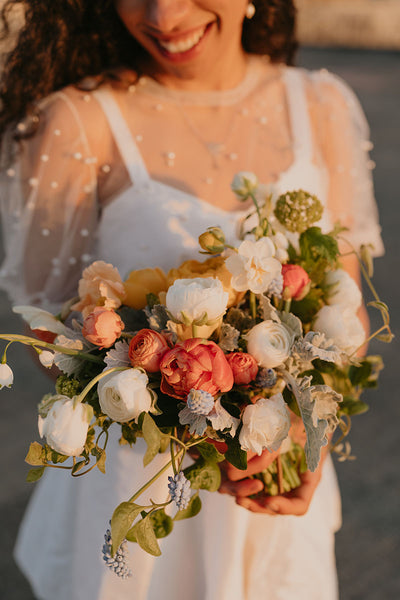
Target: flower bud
<point>243,184</point>
<point>296,282</point>
<point>102,327</point>
<point>212,240</point>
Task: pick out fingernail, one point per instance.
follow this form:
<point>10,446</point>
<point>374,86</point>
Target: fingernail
<point>273,506</point>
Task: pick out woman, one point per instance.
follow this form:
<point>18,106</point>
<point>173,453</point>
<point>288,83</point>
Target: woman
<point>130,165</point>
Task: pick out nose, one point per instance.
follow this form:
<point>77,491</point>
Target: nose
<point>166,15</point>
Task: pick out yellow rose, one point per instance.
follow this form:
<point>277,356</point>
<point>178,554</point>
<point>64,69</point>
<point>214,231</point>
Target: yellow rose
<point>142,282</point>
<point>212,267</point>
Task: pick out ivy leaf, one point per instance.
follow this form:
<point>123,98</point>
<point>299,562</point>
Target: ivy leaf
<point>360,375</point>
<point>34,474</point>
<point>121,522</point>
<point>152,436</point>
<point>204,475</point>
<point>192,509</point>
<point>35,455</point>
<point>353,406</point>
<point>145,536</point>
<point>235,455</point>
<point>161,523</point>
<point>101,462</point>
<point>209,452</point>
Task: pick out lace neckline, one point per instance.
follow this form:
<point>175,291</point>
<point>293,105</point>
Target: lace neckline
<point>254,72</point>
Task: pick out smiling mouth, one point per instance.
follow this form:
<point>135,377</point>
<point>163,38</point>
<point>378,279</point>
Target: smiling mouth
<point>185,44</point>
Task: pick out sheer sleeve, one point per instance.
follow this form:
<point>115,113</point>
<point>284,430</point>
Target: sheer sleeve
<point>342,134</point>
<point>49,207</point>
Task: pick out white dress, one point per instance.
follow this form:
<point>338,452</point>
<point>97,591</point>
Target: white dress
<point>226,552</point>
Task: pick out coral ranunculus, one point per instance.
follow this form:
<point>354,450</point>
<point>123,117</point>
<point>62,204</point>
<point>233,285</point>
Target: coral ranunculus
<point>195,364</point>
<point>102,327</point>
<point>142,282</point>
<point>244,367</point>
<point>146,350</point>
<point>296,282</point>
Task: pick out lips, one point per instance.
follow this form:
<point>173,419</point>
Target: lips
<point>182,47</point>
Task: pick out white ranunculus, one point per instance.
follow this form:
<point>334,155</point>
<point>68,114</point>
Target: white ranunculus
<point>270,343</point>
<point>243,184</point>
<point>265,424</point>
<point>6,376</point>
<point>189,299</point>
<point>341,326</point>
<point>254,266</point>
<point>65,426</point>
<point>343,290</point>
<point>123,395</point>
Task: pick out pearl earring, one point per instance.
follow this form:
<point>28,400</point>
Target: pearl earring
<point>250,10</point>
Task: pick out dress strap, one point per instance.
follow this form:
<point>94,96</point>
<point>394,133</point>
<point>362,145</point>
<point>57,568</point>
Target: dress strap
<point>126,145</point>
<point>298,114</point>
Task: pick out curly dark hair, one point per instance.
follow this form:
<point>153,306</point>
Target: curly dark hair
<point>62,43</point>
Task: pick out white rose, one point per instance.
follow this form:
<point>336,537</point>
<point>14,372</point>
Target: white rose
<point>124,395</point>
<point>189,299</point>
<point>6,376</point>
<point>269,343</point>
<point>343,290</point>
<point>65,426</point>
<point>265,424</point>
<point>254,266</point>
<point>341,326</point>
<point>243,184</point>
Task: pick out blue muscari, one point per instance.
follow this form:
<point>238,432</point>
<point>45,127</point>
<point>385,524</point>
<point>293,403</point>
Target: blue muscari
<point>179,488</point>
<point>117,563</point>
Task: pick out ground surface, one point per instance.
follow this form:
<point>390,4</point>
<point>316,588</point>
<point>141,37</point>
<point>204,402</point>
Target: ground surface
<point>368,545</point>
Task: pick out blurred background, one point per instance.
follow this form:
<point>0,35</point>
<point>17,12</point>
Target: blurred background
<point>360,41</point>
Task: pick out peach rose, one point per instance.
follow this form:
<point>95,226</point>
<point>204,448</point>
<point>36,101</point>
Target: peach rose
<point>146,350</point>
<point>195,364</point>
<point>296,282</point>
<point>244,367</point>
<point>142,282</point>
<point>212,267</point>
<point>100,285</point>
<point>102,327</point>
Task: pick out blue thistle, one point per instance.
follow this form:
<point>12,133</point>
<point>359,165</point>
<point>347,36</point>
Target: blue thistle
<point>200,402</point>
<point>117,563</point>
<point>179,488</point>
<point>266,378</point>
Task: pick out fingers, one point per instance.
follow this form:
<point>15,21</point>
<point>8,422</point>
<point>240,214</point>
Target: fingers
<point>255,464</point>
<point>295,502</point>
<point>241,489</point>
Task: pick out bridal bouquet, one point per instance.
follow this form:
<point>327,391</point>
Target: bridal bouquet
<point>253,349</point>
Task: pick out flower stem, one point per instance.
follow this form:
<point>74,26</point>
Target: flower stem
<point>253,306</point>
<point>154,478</point>
<point>95,380</point>
<point>29,341</point>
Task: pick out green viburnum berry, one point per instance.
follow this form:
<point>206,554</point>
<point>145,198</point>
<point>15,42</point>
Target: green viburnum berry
<point>67,386</point>
<point>298,210</point>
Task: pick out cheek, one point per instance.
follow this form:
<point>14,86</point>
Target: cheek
<point>130,12</point>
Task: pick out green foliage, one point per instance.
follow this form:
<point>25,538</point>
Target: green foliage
<point>161,523</point>
<point>153,438</point>
<point>143,533</point>
<point>318,252</point>
<point>121,522</point>
<point>192,509</point>
<point>307,308</point>
<point>352,406</point>
<point>130,432</point>
<point>35,455</point>
<point>133,319</point>
<point>235,455</point>
<point>204,475</point>
<point>360,374</point>
<point>34,474</point>
<point>209,452</point>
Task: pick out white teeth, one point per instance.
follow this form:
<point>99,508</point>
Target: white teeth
<point>183,45</point>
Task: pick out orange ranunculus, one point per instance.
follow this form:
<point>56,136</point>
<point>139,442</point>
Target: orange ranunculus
<point>142,282</point>
<point>146,350</point>
<point>212,267</point>
<point>244,367</point>
<point>100,285</point>
<point>195,364</point>
<point>102,327</point>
